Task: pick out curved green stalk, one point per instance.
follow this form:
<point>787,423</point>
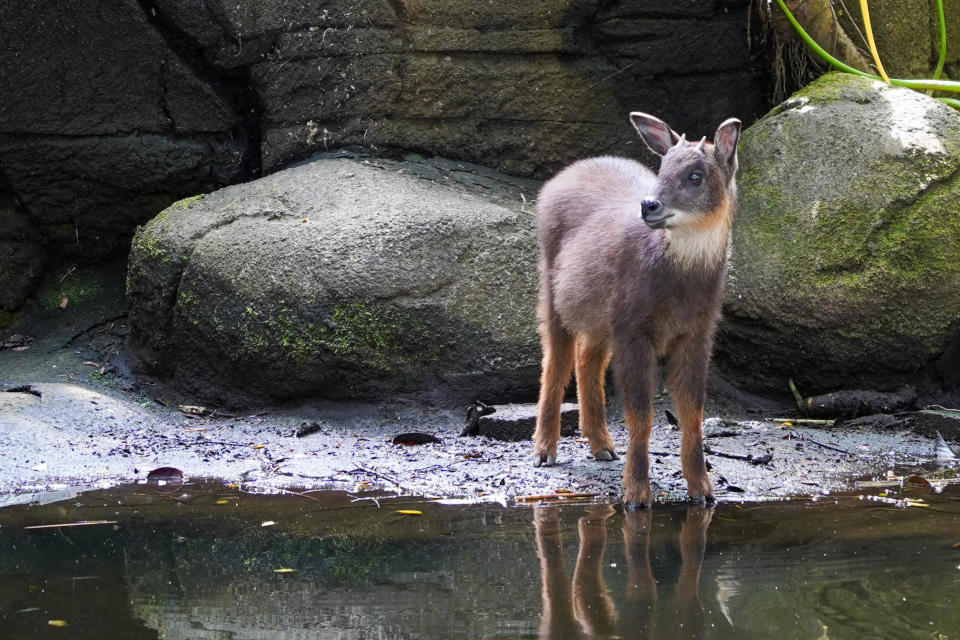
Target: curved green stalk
<point>820,51</point>
<point>953,102</point>
<point>909,83</point>
<point>943,40</point>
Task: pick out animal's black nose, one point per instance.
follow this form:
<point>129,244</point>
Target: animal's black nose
<point>650,208</point>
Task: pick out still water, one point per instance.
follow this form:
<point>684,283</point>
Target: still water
<point>205,561</point>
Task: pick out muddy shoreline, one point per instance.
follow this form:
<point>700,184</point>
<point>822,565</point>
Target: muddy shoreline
<point>90,422</point>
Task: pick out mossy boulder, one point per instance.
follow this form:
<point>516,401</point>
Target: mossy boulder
<point>342,277</point>
<point>846,249</point>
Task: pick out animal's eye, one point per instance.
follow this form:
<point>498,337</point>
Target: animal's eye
<point>695,178</point>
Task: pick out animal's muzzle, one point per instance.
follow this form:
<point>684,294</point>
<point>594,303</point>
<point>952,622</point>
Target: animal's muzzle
<point>654,213</point>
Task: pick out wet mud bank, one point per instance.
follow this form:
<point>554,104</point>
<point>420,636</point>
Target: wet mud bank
<point>80,418</point>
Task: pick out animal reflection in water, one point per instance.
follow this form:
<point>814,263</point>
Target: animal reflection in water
<point>583,607</point>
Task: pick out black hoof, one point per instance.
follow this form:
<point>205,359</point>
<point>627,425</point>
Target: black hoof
<point>606,455</point>
<point>544,460</point>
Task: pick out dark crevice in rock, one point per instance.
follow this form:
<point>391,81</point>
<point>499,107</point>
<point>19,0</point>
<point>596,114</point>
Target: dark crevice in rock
<point>232,87</point>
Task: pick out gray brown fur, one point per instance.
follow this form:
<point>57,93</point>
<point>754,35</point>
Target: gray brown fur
<point>619,286</point>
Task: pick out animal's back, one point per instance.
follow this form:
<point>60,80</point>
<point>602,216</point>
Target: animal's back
<point>602,189</point>
<point>583,214</point>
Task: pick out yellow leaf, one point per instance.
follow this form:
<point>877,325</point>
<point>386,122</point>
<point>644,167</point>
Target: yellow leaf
<point>284,570</point>
<point>258,446</point>
<point>57,623</point>
<point>409,512</point>
<point>224,501</point>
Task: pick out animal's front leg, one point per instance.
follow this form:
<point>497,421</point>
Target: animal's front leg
<point>635,368</point>
<point>687,383</point>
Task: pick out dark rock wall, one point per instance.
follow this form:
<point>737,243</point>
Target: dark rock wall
<point>112,109</point>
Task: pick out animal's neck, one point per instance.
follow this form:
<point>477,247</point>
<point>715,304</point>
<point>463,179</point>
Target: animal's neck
<point>702,247</point>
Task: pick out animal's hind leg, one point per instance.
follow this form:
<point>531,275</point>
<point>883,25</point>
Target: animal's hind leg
<point>558,354</point>
<point>592,360</point>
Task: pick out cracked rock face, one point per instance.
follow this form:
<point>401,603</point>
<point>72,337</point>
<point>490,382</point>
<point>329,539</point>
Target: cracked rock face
<point>343,278</point>
<point>845,270</point>
<point>104,123</point>
<point>112,113</point>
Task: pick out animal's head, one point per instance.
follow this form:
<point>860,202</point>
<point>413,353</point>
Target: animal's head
<point>696,182</point>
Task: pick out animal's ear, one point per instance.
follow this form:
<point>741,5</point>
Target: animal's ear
<point>656,133</point>
<point>725,144</point>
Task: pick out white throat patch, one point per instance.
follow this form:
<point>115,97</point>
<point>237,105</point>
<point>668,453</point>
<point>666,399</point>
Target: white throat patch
<point>699,248</point>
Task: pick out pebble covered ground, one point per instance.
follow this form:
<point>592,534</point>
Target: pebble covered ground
<point>77,434</point>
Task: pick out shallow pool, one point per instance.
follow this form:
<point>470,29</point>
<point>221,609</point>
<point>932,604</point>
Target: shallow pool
<point>208,561</point>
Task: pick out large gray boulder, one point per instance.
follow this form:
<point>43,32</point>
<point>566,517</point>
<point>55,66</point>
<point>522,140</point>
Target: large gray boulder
<point>343,278</point>
<point>846,248</point>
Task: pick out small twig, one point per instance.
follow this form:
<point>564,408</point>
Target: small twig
<point>813,422</point>
<point>663,453</point>
<point>615,73</point>
<point>65,275</point>
<point>556,496</point>
<point>764,459</point>
<point>796,395</point>
<point>195,443</point>
<point>297,493</point>
<point>92,327</point>
<point>819,444</point>
<point>377,474</point>
<point>358,499</point>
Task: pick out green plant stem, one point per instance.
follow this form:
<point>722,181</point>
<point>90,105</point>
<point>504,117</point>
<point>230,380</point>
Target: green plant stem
<point>943,40</point>
<point>820,51</point>
<point>909,83</point>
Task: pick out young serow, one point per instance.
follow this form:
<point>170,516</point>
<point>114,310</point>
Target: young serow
<point>632,266</point>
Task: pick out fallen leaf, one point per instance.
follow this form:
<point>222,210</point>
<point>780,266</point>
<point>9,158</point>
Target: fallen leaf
<point>409,512</point>
<point>91,364</point>
<point>64,303</point>
<point>224,501</point>
<point>919,480</point>
<point>57,623</point>
<point>414,438</point>
<point>170,478</point>
<point>267,523</point>
<point>284,570</point>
